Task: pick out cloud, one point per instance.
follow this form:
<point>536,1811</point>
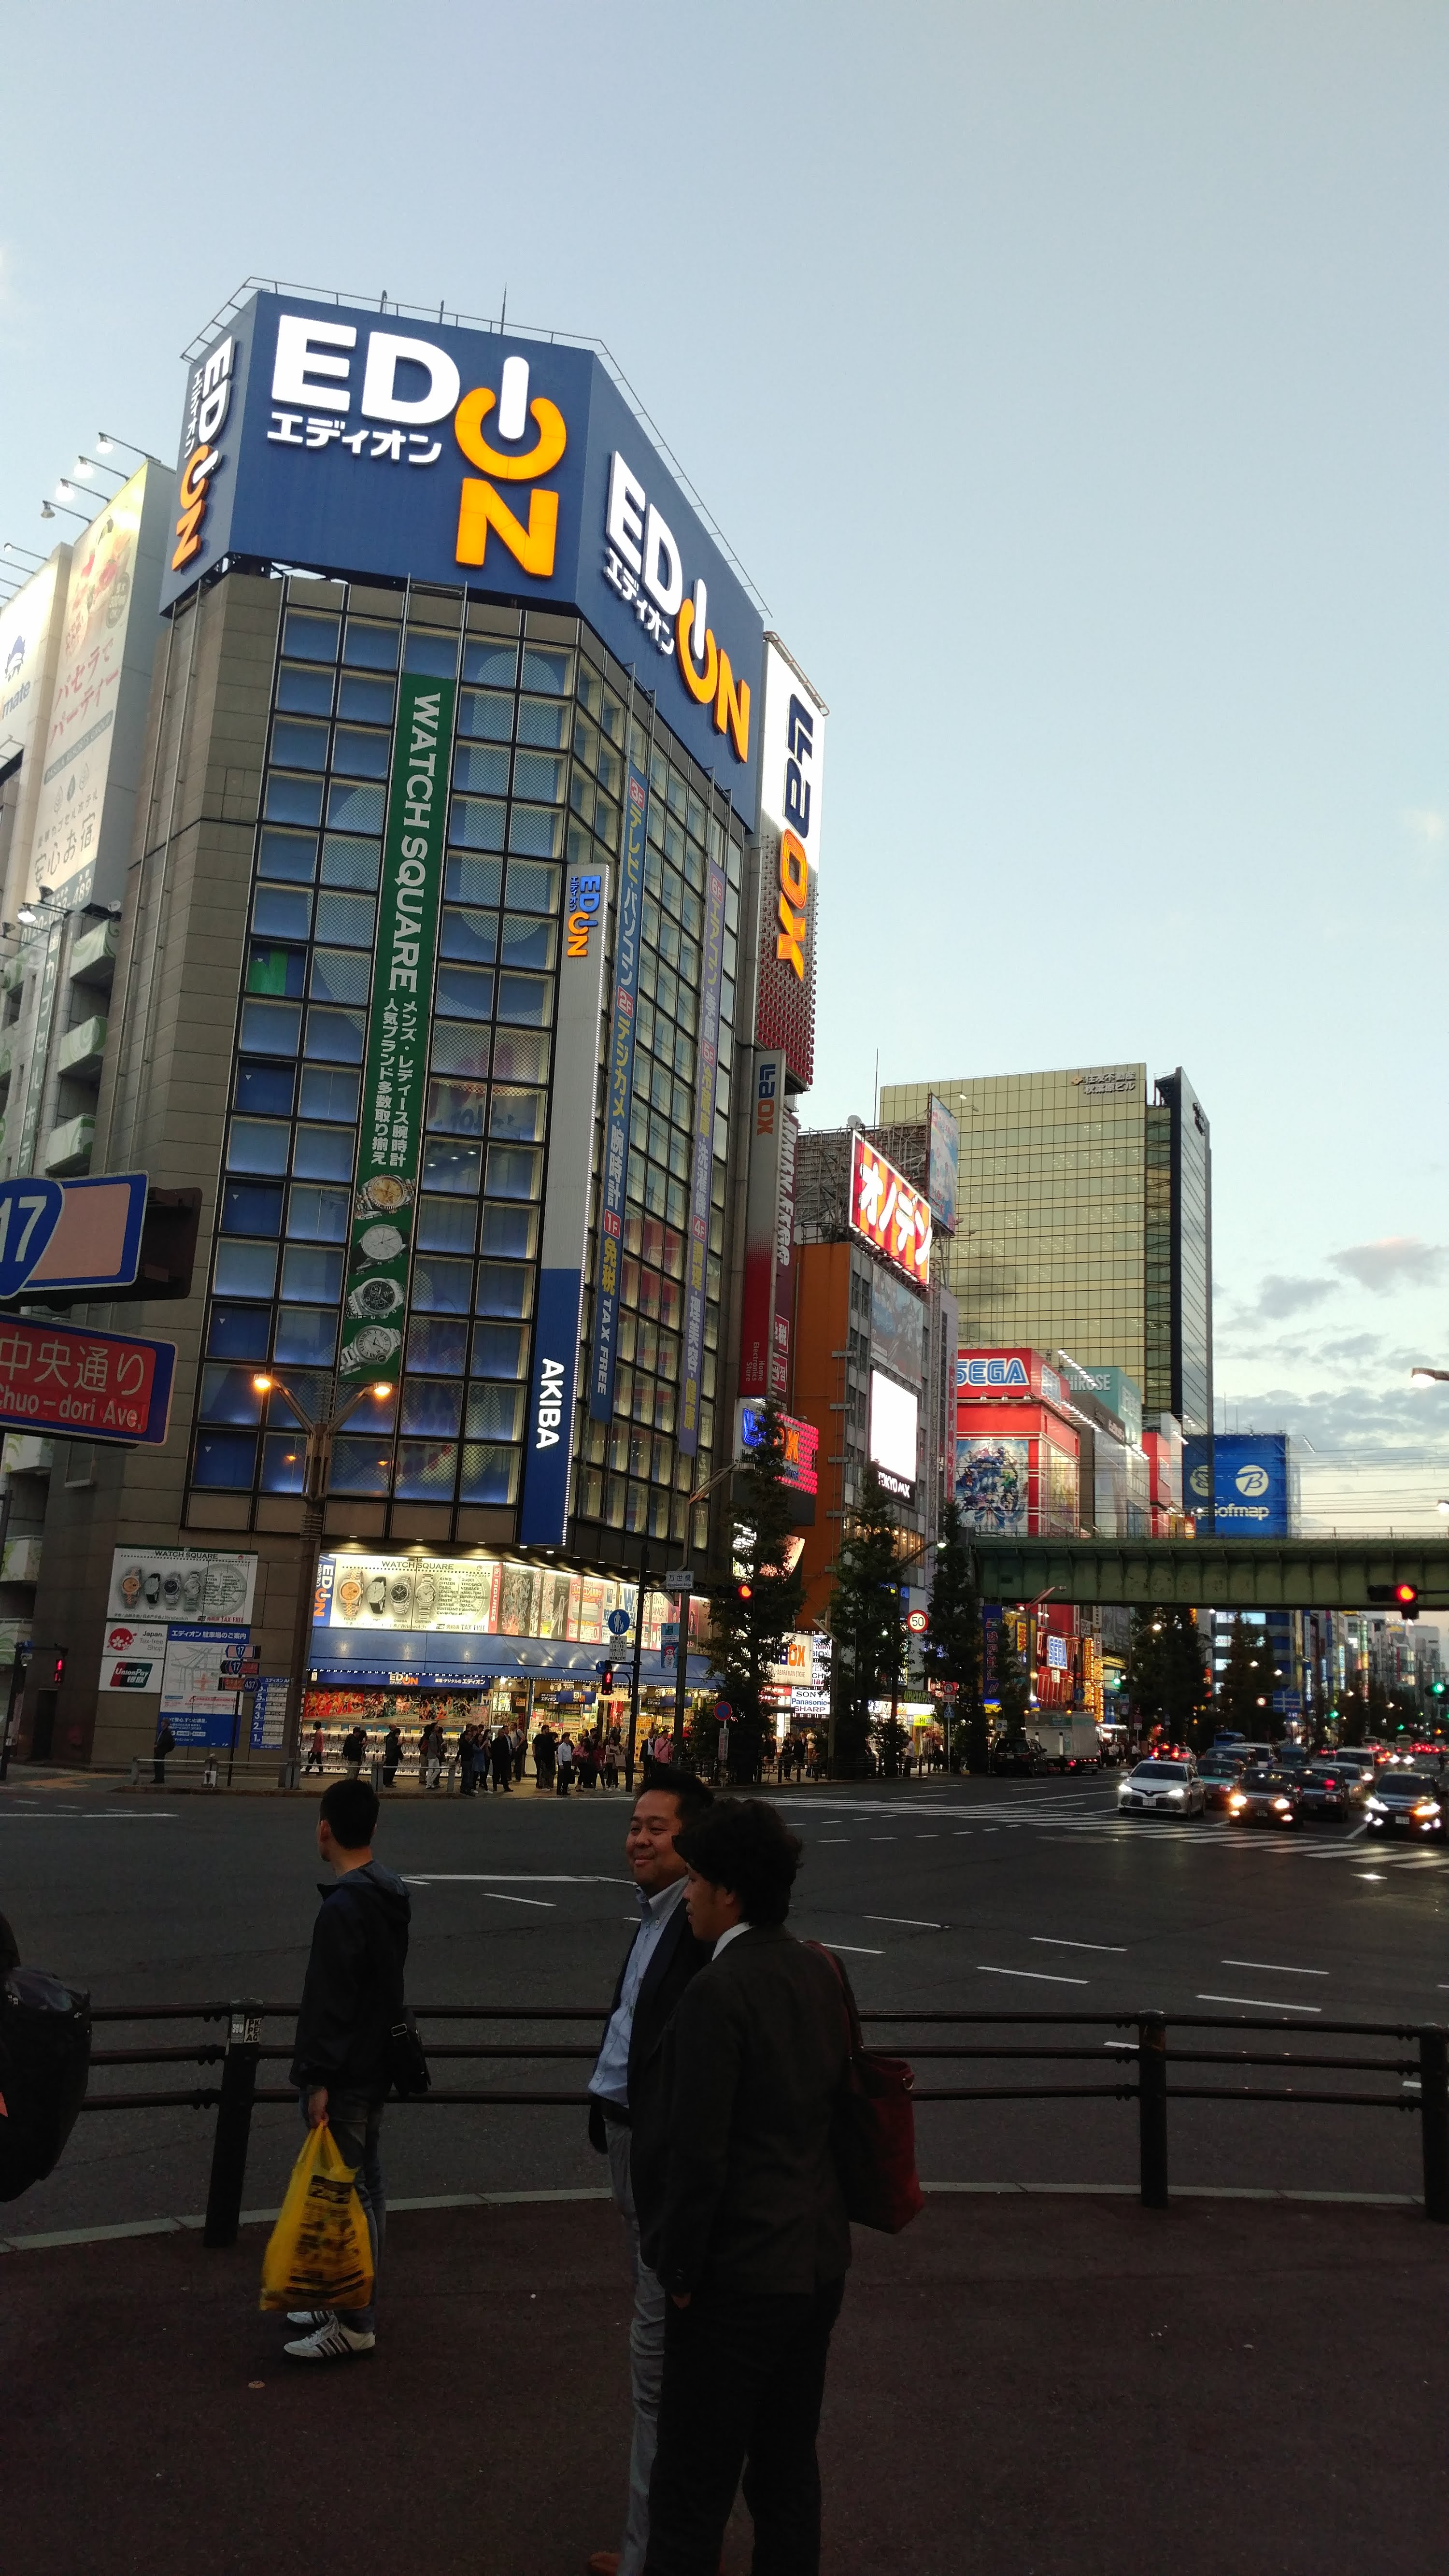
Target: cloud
<point>1279,1297</point>
<point>1423,823</point>
<point>1350,1346</point>
<point>1394,1261</point>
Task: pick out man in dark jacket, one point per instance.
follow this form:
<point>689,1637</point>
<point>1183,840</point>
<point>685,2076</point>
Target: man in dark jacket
<point>351,1999</point>
<point>624,2087</point>
<point>741,2211</point>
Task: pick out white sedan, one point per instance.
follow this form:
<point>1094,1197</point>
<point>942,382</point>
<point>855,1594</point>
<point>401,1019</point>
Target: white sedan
<point>1161,1789</point>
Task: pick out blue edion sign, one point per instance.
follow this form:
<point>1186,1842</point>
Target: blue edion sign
<point>1254,1493</point>
<point>361,443</point>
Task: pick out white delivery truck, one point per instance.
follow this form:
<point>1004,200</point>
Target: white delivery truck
<point>1069,1743</point>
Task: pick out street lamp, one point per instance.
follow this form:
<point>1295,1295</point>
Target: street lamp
<point>1428,1377</point>
<point>47,511</point>
<point>316,1477</point>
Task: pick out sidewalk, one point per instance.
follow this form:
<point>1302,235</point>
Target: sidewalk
<point>1020,2387</point>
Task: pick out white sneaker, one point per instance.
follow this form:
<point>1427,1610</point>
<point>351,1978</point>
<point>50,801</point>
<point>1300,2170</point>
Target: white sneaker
<point>331,2342</point>
<point>309,2317</point>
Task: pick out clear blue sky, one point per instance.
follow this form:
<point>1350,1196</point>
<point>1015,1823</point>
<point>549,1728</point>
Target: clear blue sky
<point>1071,377</point>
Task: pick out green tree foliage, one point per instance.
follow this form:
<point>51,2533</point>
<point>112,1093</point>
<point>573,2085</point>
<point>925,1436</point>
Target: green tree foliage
<point>756,1610</point>
<point>1245,1687</point>
<point>951,1653</point>
<point>1012,1686</point>
<point>1167,1676</point>
<point>865,1621</point>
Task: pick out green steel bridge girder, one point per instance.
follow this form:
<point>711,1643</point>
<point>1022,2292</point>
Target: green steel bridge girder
<point>1213,1573</point>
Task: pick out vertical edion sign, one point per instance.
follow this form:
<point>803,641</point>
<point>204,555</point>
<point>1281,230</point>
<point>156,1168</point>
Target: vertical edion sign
<point>699,1206</point>
<point>617,1102</point>
<point>792,781</point>
<point>395,1058</point>
<point>544,1520</point>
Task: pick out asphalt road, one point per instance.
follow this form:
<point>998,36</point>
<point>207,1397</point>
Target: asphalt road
<point>1006,1897</point>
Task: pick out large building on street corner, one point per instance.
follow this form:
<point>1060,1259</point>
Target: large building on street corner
<point>469,883</point>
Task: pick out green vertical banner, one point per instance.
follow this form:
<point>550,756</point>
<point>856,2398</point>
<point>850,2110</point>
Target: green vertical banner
<point>399,1015</point>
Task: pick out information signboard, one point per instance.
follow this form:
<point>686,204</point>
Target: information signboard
<point>87,1386</point>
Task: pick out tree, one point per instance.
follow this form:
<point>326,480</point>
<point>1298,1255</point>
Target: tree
<point>952,1650</point>
<point>1245,1687</point>
<point>1012,1686</point>
<point>1166,1677</point>
<point>756,1610</point>
<point>864,1619</point>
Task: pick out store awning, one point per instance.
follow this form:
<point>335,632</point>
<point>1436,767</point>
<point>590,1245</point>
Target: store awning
<point>433,1659</point>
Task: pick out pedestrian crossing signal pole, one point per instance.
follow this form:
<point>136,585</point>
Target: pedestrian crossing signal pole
<point>639,1601</point>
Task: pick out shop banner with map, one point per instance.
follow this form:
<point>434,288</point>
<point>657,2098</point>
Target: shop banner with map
<point>399,1015</point>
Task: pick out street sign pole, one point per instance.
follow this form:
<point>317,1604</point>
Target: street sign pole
<point>634,1675</point>
<point>681,1668</point>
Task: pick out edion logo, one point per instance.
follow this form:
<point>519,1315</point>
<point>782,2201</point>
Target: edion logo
<point>642,561</point>
<point>584,899</point>
<point>208,403</point>
<point>550,1404</point>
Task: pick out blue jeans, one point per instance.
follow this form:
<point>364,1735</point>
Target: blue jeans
<point>356,2125</point>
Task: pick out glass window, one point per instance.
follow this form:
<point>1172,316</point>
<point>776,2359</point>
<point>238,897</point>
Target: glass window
<point>526,942</point>
<point>485,714</point>
<point>361,1466</point>
<point>551,671</point>
<point>433,1404</point>
<point>340,974</point>
<point>535,830</point>
<point>276,970</point>
<point>317,1216</point>
<point>520,1058</point>
<point>436,656</point>
<point>527,999</point>
<point>463,993</point>
<point>239,1332</point>
<point>310,1275</point>
<point>441,1287</point>
<point>351,919</point>
<point>250,1207</point>
<point>517,1114</point>
<point>289,855</point>
<point>460,1049</point>
<point>538,775</point>
<point>333,1037</point>
<point>228,1395</point>
<point>328,1095</point>
<point>284,1462</point>
<point>299,746</point>
<point>354,809</point>
<point>514,1172</point>
<point>445,1225</point>
<point>324,1153</point>
<point>489,1475</point>
<point>457,1108</point>
<point>370,646</point>
<point>224,1458</point>
<point>365,701</point>
<point>245,1269</point>
<point>350,861</point>
<point>543,723</point>
<point>303,692</point>
<point>498,1350</point>
<point>360,755</point>
<point>311,635</point>
<point>473,880</point>
<point>511,1233</point>
<point>477,823</point>
<point>504,1288</point>
<point>256,1146</point>
<point>281,912</point>
<point>451,1167</point>
<point>266,1088</point>
<point>426,1470</point>
<point>270,1028</point>
<point>469,937</point>
<point>483,770</point>
<point>437,1343</point>
<point>307,1336</point>
<point>291,799</point>
<point>495,1412</point>
<point>497,664</point>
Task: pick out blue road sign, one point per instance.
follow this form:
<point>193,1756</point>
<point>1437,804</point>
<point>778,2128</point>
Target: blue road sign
<point>619,1620</point>
<point>71,1234</point>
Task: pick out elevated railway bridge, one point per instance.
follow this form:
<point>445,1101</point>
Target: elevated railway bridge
<point>1213,1573</point>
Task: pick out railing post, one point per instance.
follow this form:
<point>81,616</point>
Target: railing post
<point>233,2125</point>
<point>1152,2107</point>
<point>1434,2114</point>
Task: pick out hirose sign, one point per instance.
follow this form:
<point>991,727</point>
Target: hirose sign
<point>355,443</point>
<point>893,1216</point>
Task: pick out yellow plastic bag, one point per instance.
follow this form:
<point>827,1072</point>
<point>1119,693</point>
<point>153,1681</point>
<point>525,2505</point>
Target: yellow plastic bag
<point>319,2254</point>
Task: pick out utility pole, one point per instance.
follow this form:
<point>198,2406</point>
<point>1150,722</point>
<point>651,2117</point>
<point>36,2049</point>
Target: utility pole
<point>639,1600</point>
<point>317,1476</point>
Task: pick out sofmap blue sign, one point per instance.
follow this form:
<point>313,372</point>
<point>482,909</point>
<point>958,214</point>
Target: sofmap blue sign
<point>359,443</point>
<point>1253,1496</point>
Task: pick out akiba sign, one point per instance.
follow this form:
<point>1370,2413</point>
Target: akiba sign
<point>357,443</point>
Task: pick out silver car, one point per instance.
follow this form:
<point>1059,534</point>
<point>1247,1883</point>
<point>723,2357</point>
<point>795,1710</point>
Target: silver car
<point>1161,1789</point>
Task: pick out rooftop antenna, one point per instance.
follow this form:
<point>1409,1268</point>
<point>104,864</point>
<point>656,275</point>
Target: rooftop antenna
<point>503,316</point>
<point>875,1093</point>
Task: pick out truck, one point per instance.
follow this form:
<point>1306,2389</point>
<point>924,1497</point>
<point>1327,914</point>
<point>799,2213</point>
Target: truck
<point>1069,1742</point>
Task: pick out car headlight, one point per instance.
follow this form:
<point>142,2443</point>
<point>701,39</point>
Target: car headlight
<point>1427,1807</point>
<point>1375,1806</point>
<point>1282,1805</point>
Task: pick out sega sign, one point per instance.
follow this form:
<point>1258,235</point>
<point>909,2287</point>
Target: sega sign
<point>1008,1372</point>
<point>358,444</point>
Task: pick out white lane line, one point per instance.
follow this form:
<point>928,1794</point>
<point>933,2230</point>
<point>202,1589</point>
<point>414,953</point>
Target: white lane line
<point>885,1838</point>
<point>1273,1968</point>
<point>857,1949</point>
<point>1045,1941</point>
<point>838,1839</point>
<point>915,1922</point>
<point>513,1878</point>
<point>1260,2003</point>
<point>545,1902</point>
<point>1035,1976</point>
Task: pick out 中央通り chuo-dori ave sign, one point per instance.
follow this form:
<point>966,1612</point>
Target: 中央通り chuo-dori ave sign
<point>88,1386</point>
<point>389,1157</point>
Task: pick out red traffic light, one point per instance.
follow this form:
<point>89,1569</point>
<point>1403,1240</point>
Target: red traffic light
<point>744,1591</point>
<point>606,1678</point>
<point>1405,1593</point>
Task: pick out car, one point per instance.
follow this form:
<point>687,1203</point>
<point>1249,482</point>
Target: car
<point>1219,1773</point>
<point>1330,1788</point>
<point>1406,1802</point>
<point>1246,1750</point>
<point>1016,1753</point>
<point>1265,1795</point>
<point>1292,1757</point>
<point>1352,1757</point>
<point>1161,1789</point>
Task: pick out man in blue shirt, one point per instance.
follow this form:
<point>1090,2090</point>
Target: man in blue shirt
<point>623,2089</point>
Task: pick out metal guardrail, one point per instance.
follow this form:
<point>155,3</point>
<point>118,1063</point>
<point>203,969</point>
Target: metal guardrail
<point>1419,2081</point>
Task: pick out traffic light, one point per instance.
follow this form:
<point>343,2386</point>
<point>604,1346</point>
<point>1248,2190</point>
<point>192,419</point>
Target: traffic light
<point>744,1591</point>
<point>1403,1597</point>
<point>606,1679</point>
<point>58,1676</point>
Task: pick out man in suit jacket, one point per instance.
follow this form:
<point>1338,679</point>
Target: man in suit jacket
<point>624,2089</point>
<point>741,2210</point>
